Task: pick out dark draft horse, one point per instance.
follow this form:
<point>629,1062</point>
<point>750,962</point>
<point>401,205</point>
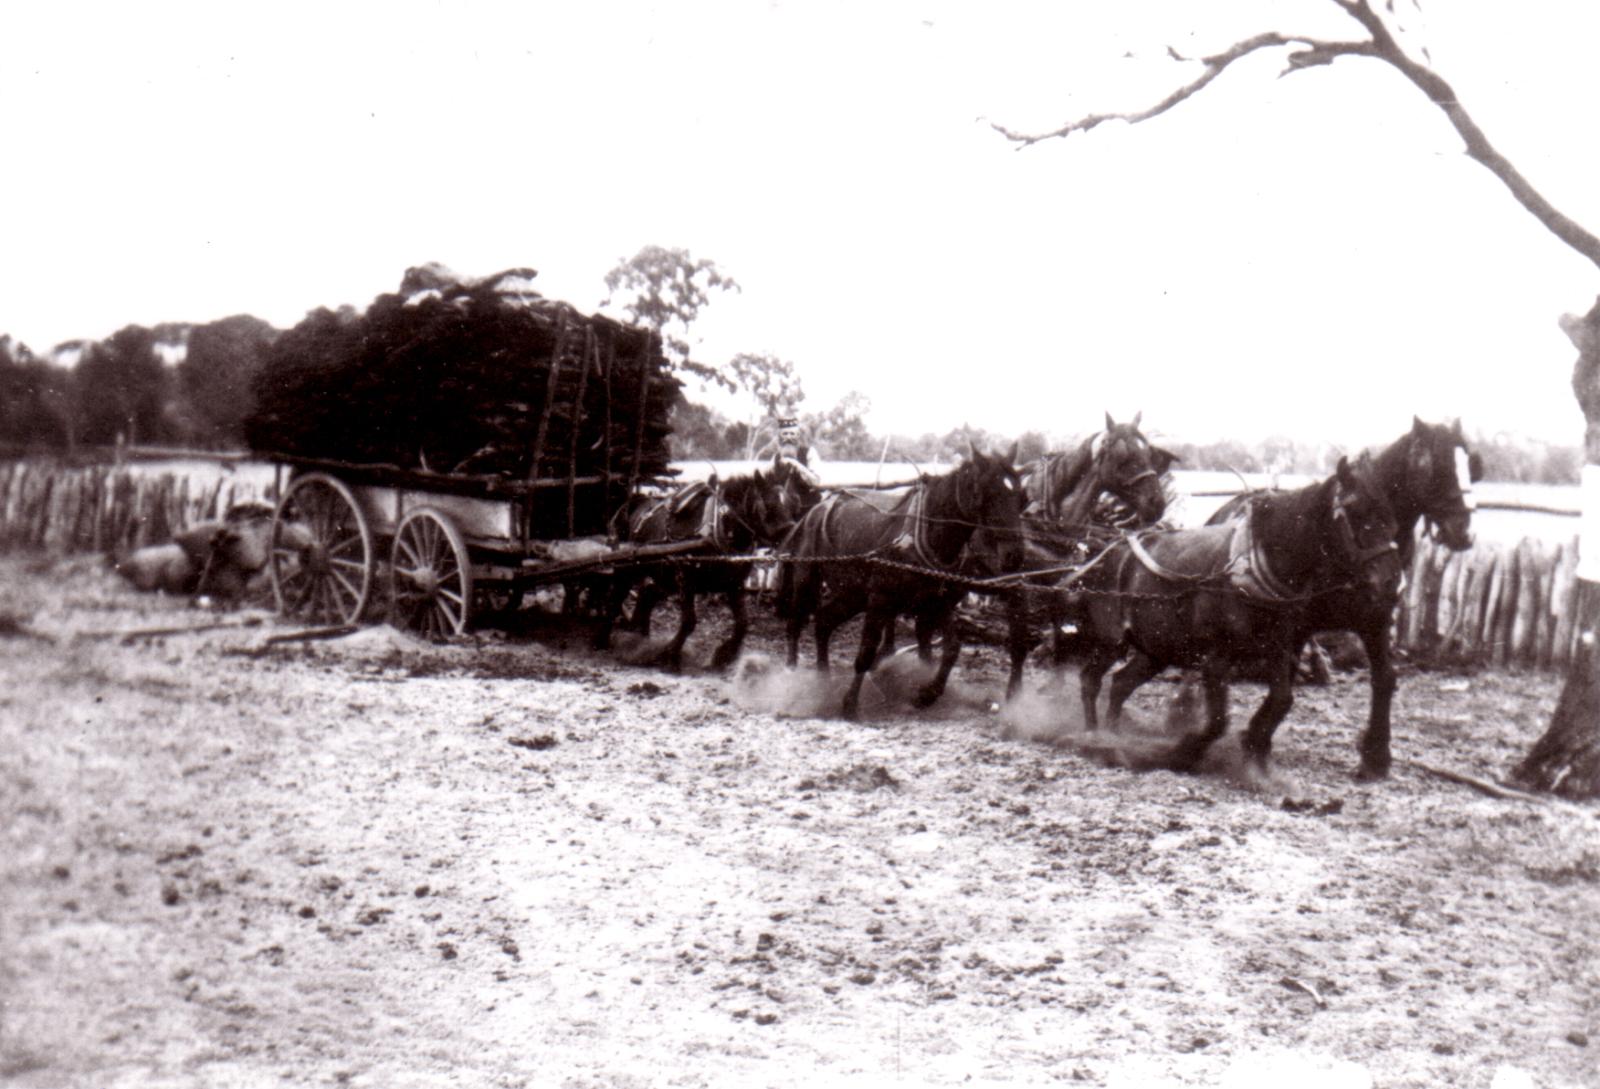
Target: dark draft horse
<point>1427,473</point>
<point>1112,480</point>
<point>886,556</point>
<point>1219,596</point>
<point>728,518</point>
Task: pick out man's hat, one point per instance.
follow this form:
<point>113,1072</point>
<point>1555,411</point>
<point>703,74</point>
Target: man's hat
<point>788,421</point>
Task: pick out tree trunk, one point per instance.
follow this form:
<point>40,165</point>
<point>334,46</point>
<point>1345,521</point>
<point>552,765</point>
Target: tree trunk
<point>1566,760</point>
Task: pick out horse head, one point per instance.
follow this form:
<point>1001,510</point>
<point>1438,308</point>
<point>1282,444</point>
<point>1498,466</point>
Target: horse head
<point>989,499</point>
<point>795,492</point>
<point>1118,462</point>
<point>1364,527</point>
<point>1130,468</point>
<point>755,510</point>
<point>1439,473</point>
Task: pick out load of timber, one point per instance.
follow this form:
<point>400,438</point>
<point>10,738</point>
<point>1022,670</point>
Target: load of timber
<point>473,386</point>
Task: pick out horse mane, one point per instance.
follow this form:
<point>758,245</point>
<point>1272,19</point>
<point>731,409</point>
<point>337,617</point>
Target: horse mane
<point>1297,516</point>
<point>1057,475</point>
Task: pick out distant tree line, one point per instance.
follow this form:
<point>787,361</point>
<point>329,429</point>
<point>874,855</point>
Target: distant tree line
<point>189,385</point>
<point>168,385</point>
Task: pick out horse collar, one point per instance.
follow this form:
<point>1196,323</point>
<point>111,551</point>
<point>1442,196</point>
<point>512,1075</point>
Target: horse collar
<point>914,535</point>
<point>1251,572</point>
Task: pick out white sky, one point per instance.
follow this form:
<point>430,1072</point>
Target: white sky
<point>1311,256</point>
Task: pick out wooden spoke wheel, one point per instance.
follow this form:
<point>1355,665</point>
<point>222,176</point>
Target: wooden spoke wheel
<point>322,555</point>
<point>430,575</point>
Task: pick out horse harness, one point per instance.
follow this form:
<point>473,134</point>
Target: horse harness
<point>1249,571</point>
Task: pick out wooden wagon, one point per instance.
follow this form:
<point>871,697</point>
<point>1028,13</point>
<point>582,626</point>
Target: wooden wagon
<point>473,441</point>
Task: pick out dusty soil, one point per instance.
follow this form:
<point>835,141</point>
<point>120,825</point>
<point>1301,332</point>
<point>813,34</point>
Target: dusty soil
<point>516,862</point>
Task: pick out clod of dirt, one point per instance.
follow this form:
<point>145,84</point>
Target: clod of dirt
<point>648,689</point>
<point>766,1018</point>
<point>447,951</point>
<point>191,851</point>
<point>1326,809</point>
<point>308,912</point>
<point>543,741</point>
<point>13,627</point>
<point>170,895</point>
<point>1579,1039</point>
<point>860,777</point>
<point>421,891</point>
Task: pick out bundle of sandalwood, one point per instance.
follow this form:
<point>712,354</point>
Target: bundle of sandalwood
<point>479,377</point>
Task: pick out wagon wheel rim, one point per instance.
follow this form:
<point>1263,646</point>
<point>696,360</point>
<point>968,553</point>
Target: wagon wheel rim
<point>430,581</point>
<point>322,554</point>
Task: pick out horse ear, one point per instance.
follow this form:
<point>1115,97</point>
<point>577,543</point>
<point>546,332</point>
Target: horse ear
<point>1110,423</point>
<point>972,451</point>
<point>1417,426</point>
<point>1457,430</point>
<point>1347,476</point>
<point>1011,454</point>
<point>1137,416</point>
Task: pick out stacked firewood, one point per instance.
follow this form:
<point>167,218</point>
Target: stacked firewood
<point>476,378</point>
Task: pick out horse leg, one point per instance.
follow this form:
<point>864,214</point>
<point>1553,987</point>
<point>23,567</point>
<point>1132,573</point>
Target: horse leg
<point>1186,754</point>
<point>1100,657</point>
<point>928,693</point>
<point>1017,635</point>
<point>1135,669</point>
<point>616,594</point>
<point>886,648</point>
<point>866,658</point>
<point>650,595</point>
<point>926,624</point>
<point>798,597</point>
<point>729,650</point>
<point>1375,758</point>
<point>1257,741</point>
<point>672,656</point>
<point>835,610</point>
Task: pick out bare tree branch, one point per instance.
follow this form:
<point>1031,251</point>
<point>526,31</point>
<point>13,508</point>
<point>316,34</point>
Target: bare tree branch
<point>1214,67</point>
<point>1312,53</point>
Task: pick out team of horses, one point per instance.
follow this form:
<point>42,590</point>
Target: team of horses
<point>1076,540</point>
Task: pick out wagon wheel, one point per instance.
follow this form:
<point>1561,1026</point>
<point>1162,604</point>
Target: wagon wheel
<point>322,555</point>
<point>431,575</point>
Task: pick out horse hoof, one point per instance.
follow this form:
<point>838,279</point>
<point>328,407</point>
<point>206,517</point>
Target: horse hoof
<point>1372,773</point>
<point>926,697</point>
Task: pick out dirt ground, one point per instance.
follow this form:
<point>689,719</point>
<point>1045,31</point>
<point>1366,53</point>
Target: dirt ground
<point>510,861</point>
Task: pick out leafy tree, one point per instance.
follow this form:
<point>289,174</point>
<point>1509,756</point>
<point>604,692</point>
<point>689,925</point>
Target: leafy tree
<point>1031,446</point>
<point>699,431</point>
<point>665,290</point>
<point>842,432</point>
<point>771,383</point>
<point>122,387</point>
<point>215,377</point>
<point>1567,758</point>
<point>30,391</point>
